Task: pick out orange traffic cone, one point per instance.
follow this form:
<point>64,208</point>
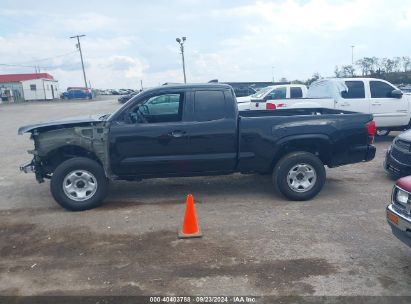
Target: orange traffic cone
<point>190,228</point>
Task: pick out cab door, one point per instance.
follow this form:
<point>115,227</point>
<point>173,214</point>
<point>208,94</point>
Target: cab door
<point>152,139</point>
<point>387,110</point>
<point>354,99</point>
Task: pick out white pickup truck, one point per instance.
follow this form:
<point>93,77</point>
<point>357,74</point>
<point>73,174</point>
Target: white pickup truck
<point>390,107</point>
<point>284,91</point>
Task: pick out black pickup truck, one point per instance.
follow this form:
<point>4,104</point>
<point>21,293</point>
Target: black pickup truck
<point>192,130</point>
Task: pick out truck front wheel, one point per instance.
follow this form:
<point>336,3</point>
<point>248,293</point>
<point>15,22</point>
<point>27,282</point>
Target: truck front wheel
<point>299,176</point>
<point>79,184</point>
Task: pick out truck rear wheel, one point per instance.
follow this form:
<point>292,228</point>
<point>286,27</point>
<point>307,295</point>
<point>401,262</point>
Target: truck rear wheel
<point>299,176</point>
<point>79,184</point>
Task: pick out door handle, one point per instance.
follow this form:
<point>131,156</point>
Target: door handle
<point>177,133</point>
<point>376,103</point>
<point>344,104</point>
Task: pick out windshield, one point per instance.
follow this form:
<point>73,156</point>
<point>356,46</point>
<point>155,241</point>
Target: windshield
<point>262,92</point>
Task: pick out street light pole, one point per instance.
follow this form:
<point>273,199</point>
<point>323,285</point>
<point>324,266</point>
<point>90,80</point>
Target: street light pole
<point>81,56</point>
<point>272,73</point>
<point>181,43</point>
<point>352,55</point>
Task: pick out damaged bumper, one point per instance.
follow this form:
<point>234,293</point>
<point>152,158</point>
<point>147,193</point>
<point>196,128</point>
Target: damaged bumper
<point>28,168</point>
<point>36,168</point>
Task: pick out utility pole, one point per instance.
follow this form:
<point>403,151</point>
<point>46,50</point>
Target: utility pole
<point>352,55</point>
<point>81,56</point>
<point>141,84</point>
<point>181,43</point>
<point>272,72</point>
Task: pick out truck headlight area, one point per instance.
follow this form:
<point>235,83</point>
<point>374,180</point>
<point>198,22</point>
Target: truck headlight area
<point>401,196</point>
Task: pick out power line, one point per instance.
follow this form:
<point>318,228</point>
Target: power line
<point>48,58</point>
<point>18,65</point>
<point>38,67</point>
<point>42,59</point>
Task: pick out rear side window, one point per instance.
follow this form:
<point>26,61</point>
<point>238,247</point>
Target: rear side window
<point>296,92</point>
<point>209,105</point>
<point>355,90</point>
<point>380,89</point>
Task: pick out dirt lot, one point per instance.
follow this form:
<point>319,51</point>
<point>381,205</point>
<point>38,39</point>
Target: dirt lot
<point>255,242</point>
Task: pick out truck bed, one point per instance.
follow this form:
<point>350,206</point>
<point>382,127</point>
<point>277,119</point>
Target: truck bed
<point>336,133</point>
<point>291,103</point>
<point>294,111</point>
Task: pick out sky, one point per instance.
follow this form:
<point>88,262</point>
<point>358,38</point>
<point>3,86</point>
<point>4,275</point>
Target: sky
<point>131,41</point>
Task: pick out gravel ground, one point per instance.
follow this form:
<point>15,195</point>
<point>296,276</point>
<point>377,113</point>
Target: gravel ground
<point>255,242</point>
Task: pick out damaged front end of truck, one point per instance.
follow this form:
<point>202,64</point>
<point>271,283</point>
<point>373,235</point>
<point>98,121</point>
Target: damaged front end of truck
<point>57,141</point>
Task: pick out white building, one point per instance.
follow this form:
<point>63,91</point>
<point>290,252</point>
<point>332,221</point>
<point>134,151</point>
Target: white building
<point>20,87</point>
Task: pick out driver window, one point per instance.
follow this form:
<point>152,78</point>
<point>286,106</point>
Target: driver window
<point>160,108</point>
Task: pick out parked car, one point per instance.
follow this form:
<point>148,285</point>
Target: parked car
<point>125,91</point>
<point>391,110</point>
<point>125,98</point>
<point>399,211</point>
<point>3,95</point>
<point>277,92</point>
<point>192,130</point>
<point>105,92</point>
<point>244,91</point>
<point>398,156</point>
<point>406,89</point>
<point>83,93</point>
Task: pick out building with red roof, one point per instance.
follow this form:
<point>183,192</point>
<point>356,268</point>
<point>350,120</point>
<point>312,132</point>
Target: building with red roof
<point>26,87</point>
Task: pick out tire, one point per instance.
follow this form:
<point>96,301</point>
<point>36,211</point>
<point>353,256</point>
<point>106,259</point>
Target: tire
<point>383,132</point>
<point>79,184</point>
<point>299,176</point>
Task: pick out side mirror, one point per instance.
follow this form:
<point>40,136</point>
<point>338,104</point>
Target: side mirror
<point>131,117</point>
<point>144,109</point>
<point>396,94</point>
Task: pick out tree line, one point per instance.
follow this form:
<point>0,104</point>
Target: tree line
<point>373,66</point>
<point>396,70</point>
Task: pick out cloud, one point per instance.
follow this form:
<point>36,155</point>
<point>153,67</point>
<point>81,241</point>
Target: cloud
<point>313,16</point>
<point>404,18</point>
<point>132,67</point>
<point>299,38</point>
<point>85,22</point>
<point>16,13</point>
